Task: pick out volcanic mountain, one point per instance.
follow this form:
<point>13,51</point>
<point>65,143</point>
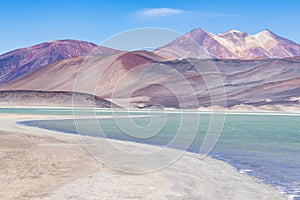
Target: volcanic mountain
<point>142,79</point>
<point>255,75</point>
<point>23,61</point>
<point>96,74</point>
<point>232,44</point>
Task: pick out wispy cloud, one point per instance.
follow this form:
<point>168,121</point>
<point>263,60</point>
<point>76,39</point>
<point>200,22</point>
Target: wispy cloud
<point>157,12</point>
<point>153,13</point>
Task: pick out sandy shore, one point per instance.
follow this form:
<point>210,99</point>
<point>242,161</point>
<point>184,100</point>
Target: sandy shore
<point>43,164</point>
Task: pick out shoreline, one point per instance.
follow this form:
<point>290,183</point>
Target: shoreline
<point>240,182</point>
<point>236,108</point>
<point>194,154</point>
<point>208,110</point>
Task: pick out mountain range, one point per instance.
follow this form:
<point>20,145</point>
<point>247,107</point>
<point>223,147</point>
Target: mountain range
<point>197,69</point>
<point>232,44</point>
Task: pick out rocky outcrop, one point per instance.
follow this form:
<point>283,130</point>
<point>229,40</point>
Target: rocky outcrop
<point>52,98</point>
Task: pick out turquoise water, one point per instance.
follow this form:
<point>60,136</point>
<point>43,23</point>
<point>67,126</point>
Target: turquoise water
<point>265,146</point>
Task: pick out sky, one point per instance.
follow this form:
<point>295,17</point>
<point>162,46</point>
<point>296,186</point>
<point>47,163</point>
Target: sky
<point>25,23</point>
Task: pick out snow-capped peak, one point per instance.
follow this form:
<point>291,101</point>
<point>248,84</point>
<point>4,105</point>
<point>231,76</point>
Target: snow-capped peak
<point>235,44</point>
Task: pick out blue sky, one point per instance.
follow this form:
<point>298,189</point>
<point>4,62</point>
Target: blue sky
<point>24,23</point>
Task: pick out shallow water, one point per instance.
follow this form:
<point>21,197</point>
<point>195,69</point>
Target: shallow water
<point>265,146</point>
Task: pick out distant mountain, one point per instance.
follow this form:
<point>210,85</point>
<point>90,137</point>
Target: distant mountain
<point>23,61</point>
<point>261,69</point>
<point>229,45</point>
<point>98,70</point>
<point>145,80</point>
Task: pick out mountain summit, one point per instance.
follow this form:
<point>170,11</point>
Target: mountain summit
<point>26,60</point>
<point>232,44</point>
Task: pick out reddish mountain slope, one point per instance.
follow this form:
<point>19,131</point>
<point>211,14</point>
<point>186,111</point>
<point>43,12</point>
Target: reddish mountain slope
<point>143,79</point>
<point>26,60</point>
<point>89,74</point>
